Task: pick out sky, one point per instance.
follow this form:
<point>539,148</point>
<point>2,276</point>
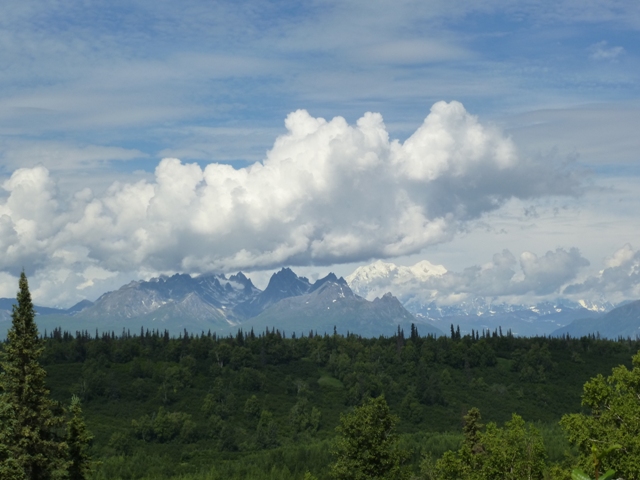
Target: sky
<point>496,140</point>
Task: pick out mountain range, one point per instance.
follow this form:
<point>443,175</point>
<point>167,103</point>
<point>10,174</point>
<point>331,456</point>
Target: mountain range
<point>294,304</point>
<point>219,304</point>
<point>423,290</point>
<point>623,321</point>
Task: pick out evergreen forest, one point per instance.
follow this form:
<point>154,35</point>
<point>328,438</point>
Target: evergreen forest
<point>264,405</point>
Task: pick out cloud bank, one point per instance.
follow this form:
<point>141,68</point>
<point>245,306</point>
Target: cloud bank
<point>618,280</point>
<point>505,278</point>
<point>527,279</point>
<point>326,193</point>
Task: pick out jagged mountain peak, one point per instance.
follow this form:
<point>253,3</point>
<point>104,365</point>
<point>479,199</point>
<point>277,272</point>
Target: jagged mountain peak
<point>214,292</point>
<point>333,290</point>
<point>333,304</point>
<point>287,281</point>
<point>282,284</point>
<point>242,279</point>
<point>330,278</point>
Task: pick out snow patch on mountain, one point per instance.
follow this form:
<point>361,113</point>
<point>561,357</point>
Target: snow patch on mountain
<point>376,279</point>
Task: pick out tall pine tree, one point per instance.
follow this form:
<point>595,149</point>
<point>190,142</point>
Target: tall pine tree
<point>30,444</point>
<point>79,440</point>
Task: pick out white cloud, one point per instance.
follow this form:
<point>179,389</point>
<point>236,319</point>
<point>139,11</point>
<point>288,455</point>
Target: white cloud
<point>327,193</point>
<point>527,279</point>
<point>505,278</point>
<point>619,280</point>
<point>601,51</point>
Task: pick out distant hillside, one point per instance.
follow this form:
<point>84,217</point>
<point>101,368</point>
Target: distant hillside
<point>334,304</point>
<point>174,303</point>
<point>524,322</point>
<point>223,305</point>
<point>6,307</point>
<point>621,321</point>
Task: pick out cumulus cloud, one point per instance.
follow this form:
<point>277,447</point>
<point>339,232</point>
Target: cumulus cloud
<point>504,276</point>
<point>618,280</point>
<point>326,193</point>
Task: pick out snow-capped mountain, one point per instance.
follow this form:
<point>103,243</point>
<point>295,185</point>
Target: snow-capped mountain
<point>623,320</point>
<point>361,303</point>
<point>377,278</point>
<point>330,303</point>
<point>426,291</point>
<point>203,296</point>
<point>221,304</point>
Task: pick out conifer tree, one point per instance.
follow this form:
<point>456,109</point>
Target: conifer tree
<point>79,440</point>
<point>9,467</point>
<point>30,447</point>
<point>366,447</point>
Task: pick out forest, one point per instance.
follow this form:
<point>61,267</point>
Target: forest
<point>265,405</point>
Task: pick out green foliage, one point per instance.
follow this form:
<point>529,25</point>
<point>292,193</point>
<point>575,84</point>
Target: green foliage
<point>514,452</point>
<point>410,408</point>
<point>366,447</point>
<point>121,443</point>
<point>303,417</point>
<point>252,409</point>
<point>164,427</point>
<point>10,467</point>
<point>609,437</point>
<point>212,379</point>
<point>578,474</point>
<point>78,440</point>
<point>267,431</point>
<point>30,446</point>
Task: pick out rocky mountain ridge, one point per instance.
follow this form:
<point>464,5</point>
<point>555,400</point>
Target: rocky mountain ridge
<point>221,303</point>
<point>224,304</point>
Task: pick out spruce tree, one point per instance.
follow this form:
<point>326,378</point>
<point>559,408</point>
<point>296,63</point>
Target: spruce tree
<point>79,440</point>
<point>30,447</point>
<point>9,466</point>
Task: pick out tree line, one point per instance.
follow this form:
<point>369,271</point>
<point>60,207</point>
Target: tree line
<point>264,405</point>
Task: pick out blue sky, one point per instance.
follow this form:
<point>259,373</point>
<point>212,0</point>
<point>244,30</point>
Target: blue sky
<point>94,95</point>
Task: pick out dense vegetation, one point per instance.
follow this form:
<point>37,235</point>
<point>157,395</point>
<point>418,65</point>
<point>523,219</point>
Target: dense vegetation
<point>267,406</point>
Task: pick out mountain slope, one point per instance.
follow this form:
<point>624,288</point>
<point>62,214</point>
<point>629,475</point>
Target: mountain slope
<point>282,284</point>
<point>173,303</point>
<point>333,303</point>
<point>621,321</point>
<point>221,304</point>
<point>6,308</point>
